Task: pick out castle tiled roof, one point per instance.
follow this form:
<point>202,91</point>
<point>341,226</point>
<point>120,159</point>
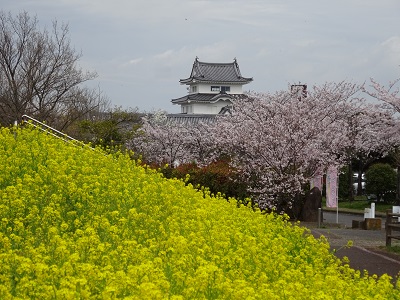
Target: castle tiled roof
<point>197,118</point>
<point>215,72</point>
<point>204,98</point>
<point>192,119</point>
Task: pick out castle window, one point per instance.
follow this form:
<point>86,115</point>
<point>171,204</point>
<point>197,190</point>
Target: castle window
<point>225,89</point>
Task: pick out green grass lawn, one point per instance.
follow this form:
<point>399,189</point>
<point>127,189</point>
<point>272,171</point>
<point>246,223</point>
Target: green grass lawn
<point>394,249</point>
<point>361,203</point>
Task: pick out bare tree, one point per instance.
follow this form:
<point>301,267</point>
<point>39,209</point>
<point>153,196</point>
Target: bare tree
<point>39,73</point>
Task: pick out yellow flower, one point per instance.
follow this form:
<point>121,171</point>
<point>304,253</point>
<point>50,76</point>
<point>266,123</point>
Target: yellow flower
<point>83,224</point>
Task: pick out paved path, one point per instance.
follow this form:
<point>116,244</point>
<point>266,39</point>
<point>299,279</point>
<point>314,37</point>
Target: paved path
<point>374,262</point>
<point>368,251</point>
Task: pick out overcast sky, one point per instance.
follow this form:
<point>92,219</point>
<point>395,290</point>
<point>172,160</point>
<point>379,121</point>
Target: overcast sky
<point>141,48</point>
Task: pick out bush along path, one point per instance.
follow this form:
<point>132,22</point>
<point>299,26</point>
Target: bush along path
<point>78,224</point>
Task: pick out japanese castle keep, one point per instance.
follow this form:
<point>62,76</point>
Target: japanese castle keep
<point>211,87</point>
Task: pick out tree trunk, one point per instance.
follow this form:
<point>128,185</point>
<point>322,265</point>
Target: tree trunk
<point>351,181</point>
<point>398,185</point>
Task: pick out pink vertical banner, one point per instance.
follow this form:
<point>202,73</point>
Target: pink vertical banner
<point>332,186</point>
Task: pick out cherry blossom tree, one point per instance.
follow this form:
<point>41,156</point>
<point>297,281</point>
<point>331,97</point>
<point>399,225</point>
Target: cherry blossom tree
<point>276,142</point>
<point>279,141</point>
<point>366,131</point>
<point>159,141</point>
<point>389,101</point>
<point>165,140</point>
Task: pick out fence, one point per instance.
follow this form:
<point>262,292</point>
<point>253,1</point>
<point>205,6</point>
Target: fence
<point>392,227</point>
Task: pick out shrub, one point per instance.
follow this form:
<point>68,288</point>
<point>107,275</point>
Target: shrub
<point>380,179</point>
<point>218,177</point>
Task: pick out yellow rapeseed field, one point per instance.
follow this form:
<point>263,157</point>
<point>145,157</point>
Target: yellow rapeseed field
<point>79,224</point>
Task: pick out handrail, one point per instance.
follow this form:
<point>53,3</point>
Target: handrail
<point>54,132</point>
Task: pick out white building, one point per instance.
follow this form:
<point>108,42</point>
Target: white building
<point>211,87</point>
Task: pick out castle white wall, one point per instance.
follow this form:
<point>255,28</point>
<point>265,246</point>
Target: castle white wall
<point>204,108</point>
<point>205,88</point>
